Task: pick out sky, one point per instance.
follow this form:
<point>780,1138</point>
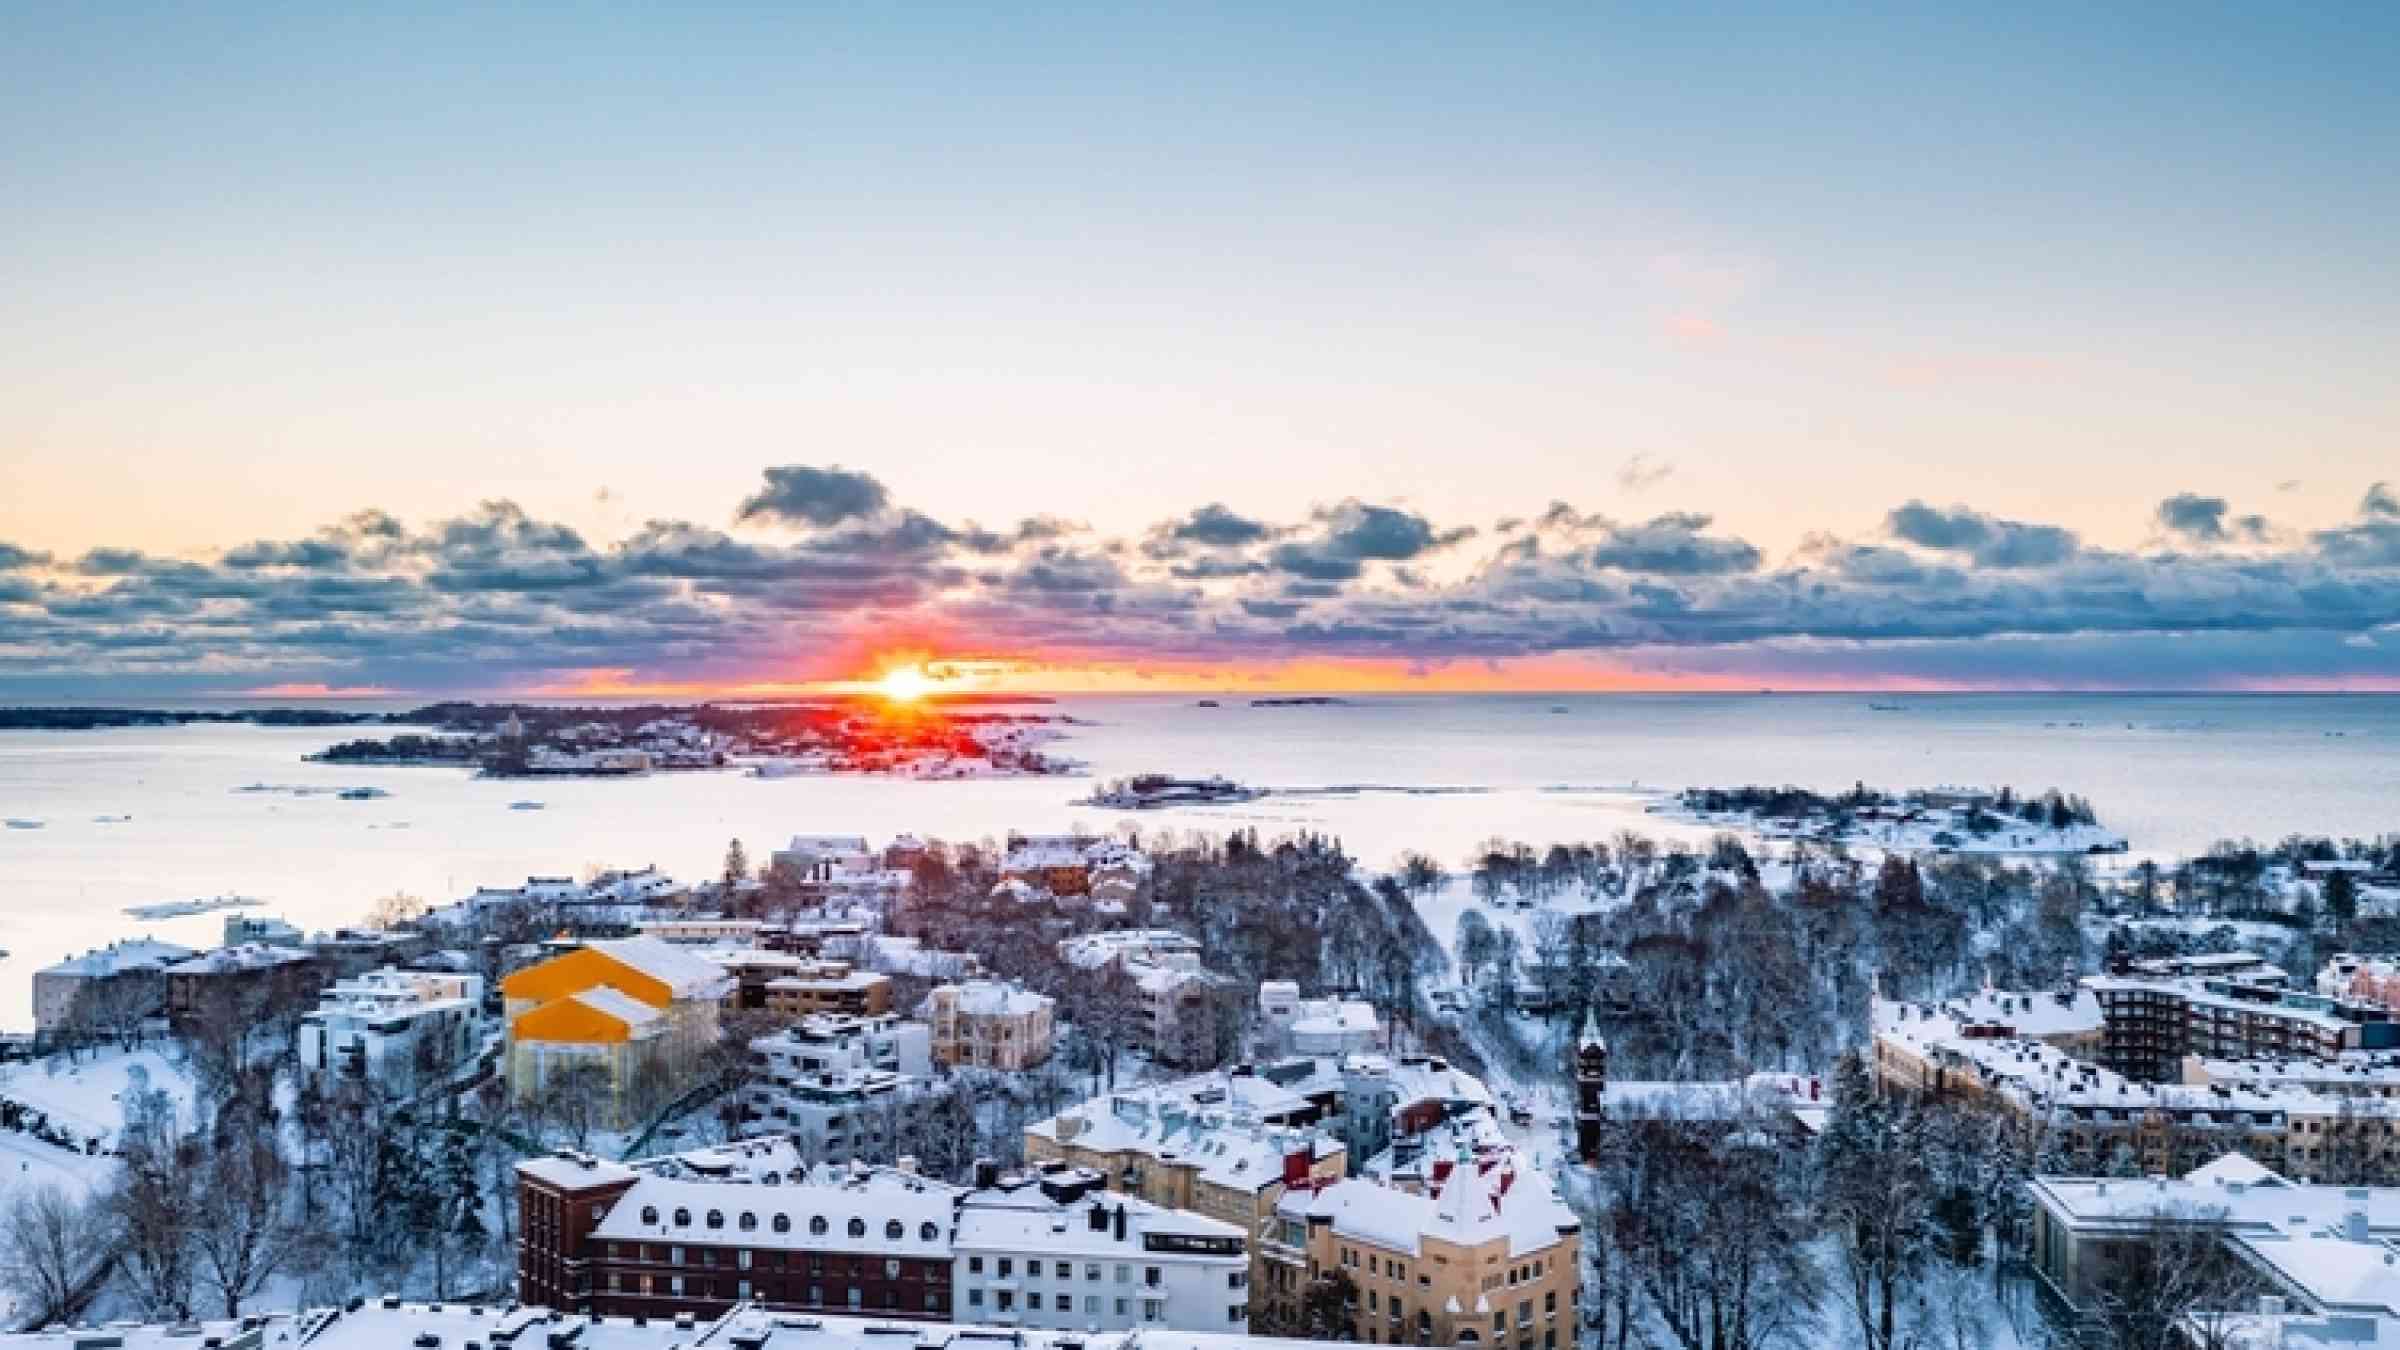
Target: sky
<point>604,348</point>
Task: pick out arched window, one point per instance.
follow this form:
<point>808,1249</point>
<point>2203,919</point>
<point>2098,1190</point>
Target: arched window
<point>649,1214</point>
<point>783,1223</point>
<point>858,1228</point>
<point>816,1225</point>
<point>716,1218</point>
<point>683,1218</point>
<point>930,1233</point>
<point>893,1230</point>
<point>749,1222</point>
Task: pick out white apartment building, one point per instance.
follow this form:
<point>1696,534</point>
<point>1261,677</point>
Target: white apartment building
<point>848,1087</point>
<point>400,1028</point>
<point>1316,1026</point>
<point>1058,1250</point>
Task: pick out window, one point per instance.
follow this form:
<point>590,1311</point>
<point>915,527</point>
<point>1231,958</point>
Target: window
<point>1124,1274</point>
<point>1091,1305</point>
<point>1550,1302</point>
<point>650,1214</point>
<point>783,1223</point>
<point>1236,1313</point>
<point>741,1289</point>
<point>894,1230</point>
<point>974,1298</point>
<point>974,1265</point>
<point>816,1225</point>
<point>816,1293</point>
<point>854,1299</point>
<point>716,1218</point>
<point>1065,1271</point>
<point>1008,1266</point>
<point>674,1256</point>
<point>749,1222</point>
<point>1122,1305</point>
<point>891,1270</point>
<point>1234,1279</point>
<point>742,1258</point>
<point>1007,1299</point>
<point>1092,1272</point>
<point>675,1285</point>
<point>858,1228</point>
<point>1033,1302</point>
<point>1150,1309</point>
<point>683,1218</point>
<point>930,1232</point>
<point>933,1303</point>
<point>1151,1276</point>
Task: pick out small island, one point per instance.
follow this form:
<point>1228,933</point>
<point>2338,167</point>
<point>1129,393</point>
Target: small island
<point>1935,820</point>
<point>1301,701</point>
<point>1150,791</point>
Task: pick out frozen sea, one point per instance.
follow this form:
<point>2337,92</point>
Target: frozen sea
<point>2172,773</point>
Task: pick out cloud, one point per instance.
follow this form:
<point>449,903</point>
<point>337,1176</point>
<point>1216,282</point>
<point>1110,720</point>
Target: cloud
<point>497,596</point>
<point>1642,473</point>
<point>1216,526</point>
<point>1989,540</point>
<point>797,494</point>
<point>13,558</point>
<point>2194,517</point>
<point>2379,503</point>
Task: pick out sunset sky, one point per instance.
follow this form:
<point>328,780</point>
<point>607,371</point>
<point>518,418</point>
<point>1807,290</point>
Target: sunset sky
<point>1543,347</point>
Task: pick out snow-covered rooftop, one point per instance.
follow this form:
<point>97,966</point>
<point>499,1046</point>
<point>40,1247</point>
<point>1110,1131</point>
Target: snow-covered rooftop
<point>1475,1204</point>
<point>118,958</point>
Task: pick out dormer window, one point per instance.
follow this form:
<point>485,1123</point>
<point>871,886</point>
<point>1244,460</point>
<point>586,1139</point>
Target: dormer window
<point>783,1223</point>
<point>748,1222</point>
<point>816,1225</point>
<point>683,1218</point>
<point>650,1214</point>
<point>858,1228</point>
<point>716,1218</point>
<point>894,1230</point>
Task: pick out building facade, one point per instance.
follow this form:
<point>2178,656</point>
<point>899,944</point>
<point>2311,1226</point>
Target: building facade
<point>988,1024</point>
<point>399,1028</point>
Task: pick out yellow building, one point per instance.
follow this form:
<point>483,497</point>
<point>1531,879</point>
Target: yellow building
<point>1490,1259</point>
<point>638,1010</point>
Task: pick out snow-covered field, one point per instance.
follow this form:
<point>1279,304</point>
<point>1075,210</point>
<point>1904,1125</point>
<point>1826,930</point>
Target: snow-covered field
<point>87,1097</point>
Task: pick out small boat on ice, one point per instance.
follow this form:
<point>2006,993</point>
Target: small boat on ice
<point>16,823</point>
<point>524,806</point>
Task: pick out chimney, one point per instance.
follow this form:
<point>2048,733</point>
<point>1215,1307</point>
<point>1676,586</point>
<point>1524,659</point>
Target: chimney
<point>2354,1226</point>
<point>1099,1217</point>
<point>987,1174</point>
<point>1120,1234</point>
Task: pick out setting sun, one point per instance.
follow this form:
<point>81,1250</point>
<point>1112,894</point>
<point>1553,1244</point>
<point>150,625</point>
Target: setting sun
<point>904,684</point>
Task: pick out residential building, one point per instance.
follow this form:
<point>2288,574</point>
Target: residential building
<point>846,1087</point>
<point>1316,1026</point>
<point>701,932</point>
<point>824,859</point>
<point>248,928</point>
<point>1223,1161</point>
<point>633,1008</point>
<point>403,1029</point>
<point>829,987</point>
<point>387,1323</point>
<point>1490,1257</point>
<point>989,1025</point>
<point>2310,1243</point>
<point>1055,1249</point>
<point>2105,1121</point>
<point>2153,1022</point>
<point>699,1234</point>
<point>244,982</point>
<point>132,972</point>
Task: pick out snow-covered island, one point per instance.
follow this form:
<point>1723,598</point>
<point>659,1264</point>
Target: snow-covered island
<point>1926,820</point>
<point>1149,791</point>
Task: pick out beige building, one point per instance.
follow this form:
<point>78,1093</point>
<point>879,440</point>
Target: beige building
<point>989,1025</point>
<point>1489,1259</point>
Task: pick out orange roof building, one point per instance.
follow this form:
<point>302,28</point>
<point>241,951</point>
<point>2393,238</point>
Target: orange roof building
<point>619,1018</point>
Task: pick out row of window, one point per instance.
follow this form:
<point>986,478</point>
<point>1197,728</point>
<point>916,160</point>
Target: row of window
<point>893,1229</point>
<point>1005,1267</point>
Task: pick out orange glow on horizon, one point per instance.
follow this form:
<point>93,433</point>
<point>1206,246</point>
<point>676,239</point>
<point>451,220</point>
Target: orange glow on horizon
<point>921,677</point>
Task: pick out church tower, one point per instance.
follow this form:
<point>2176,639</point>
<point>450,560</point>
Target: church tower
<point>1591,1085</point>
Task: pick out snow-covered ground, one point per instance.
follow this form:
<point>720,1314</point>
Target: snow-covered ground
<point>1933,830</point>
<point>87,1097</point>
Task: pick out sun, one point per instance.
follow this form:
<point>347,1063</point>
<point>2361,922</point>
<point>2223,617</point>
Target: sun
<point>904,684</point>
